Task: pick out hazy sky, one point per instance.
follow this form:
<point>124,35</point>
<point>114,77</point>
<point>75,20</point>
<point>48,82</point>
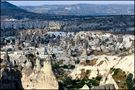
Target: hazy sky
<point>37,3</point>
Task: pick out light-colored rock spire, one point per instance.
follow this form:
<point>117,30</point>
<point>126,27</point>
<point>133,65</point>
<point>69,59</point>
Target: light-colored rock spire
<point>43,79</point>
<point>85,87</point>
<point>84,54</point>
<point>47,78</point>
<point>38,66</point>
<point>47,66</point>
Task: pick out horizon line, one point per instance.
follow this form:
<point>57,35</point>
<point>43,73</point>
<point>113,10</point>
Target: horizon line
<point>40,3</point>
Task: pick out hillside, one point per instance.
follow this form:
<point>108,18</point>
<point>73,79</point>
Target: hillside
<point>15,18</point>
<point>83,9</point>
<point>10,11</point>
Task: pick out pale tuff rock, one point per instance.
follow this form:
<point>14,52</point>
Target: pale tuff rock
<point>27,69</point>
<point>91,51</point>
<point>44,79</point>
<point>25,81</point>
<point>124,63</point>
<point>109,80</point>
<point>85,87</point>
<point>105,42</point>
<point>54,25</point>
<point>104,87</point>
<point>37,66</point>
<point>83,55</point>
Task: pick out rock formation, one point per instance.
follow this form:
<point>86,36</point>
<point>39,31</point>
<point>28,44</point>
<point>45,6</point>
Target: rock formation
<point>41,79</point>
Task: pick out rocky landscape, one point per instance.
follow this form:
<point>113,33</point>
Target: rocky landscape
<point>117,24</point>
<point>67,52</point>
<point>14,19</point>
<point>68,60</point>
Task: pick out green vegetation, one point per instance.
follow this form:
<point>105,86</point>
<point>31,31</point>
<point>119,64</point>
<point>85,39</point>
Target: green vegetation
<point>67,82</point>
<point>68,66</point>
<point>55,65</point>
<point>76,84</point>
<point>120,77</point>
<point>130,81</point>
<point>123,80</point>
<point>99,78</point>
<point>58,65</point>
<point>116,71</point>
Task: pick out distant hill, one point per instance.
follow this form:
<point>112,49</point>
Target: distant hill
<point>10,11</point>
<point>83,9</point>
<point>13,18</point>
<point>61,12</point>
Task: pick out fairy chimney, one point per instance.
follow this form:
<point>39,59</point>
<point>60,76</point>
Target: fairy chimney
<point>43,79</point>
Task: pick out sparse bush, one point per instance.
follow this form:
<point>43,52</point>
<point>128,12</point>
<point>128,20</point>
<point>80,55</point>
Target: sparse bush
<point>120,78</point>
<point>115,72</point>
<point>129,81</point>
<point>98,78</point>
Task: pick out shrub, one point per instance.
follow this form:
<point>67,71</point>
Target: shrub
<point>115,72</point>
<point>99,78</point>
<point>129,81</point>
<point>120,78</point>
